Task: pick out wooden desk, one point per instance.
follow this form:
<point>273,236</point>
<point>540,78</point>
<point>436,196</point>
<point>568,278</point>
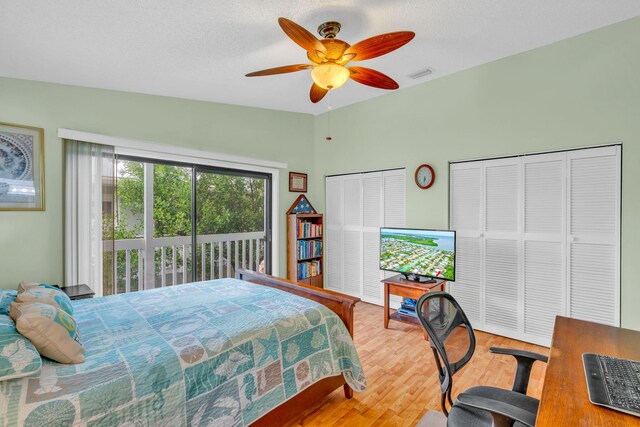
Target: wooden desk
<point>397,285</point>
<point>565,399</point>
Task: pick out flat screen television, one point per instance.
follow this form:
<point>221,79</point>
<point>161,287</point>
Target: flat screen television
<point>418,253</point>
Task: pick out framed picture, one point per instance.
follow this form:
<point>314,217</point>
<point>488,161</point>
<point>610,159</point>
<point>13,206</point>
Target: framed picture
<point>21,168</point>
<point>298,182</point>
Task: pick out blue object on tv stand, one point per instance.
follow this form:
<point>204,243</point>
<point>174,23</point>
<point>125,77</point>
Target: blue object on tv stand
<point>407,312</point>
<point>409,304</point>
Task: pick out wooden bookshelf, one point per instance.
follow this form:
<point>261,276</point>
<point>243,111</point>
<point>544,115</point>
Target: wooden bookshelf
<point>305,248</point>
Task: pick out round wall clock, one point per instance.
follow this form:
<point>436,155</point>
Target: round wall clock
<point>425,176</point>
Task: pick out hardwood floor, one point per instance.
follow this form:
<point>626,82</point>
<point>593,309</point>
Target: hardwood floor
<point>401,374</point>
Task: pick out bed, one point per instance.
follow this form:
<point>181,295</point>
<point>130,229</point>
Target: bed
<point>229,352</point>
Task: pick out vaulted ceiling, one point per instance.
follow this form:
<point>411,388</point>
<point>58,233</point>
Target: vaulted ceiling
<point>202,49</point>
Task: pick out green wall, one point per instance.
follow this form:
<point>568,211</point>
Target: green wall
<point>31,243</point>
<point>578,92</point>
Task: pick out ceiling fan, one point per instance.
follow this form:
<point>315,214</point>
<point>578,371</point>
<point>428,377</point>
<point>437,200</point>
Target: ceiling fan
<point>331,55</point>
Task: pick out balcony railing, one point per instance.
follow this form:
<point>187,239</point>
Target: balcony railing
<point>173,260</point>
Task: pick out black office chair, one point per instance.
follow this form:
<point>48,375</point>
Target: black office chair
<point>450,332</point>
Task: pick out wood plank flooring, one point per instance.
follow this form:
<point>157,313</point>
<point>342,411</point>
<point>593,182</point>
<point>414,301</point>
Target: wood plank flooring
<point>401,374</point>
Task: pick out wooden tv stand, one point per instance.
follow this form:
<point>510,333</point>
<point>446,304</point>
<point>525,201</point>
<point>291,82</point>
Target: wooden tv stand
<point>398,285</point>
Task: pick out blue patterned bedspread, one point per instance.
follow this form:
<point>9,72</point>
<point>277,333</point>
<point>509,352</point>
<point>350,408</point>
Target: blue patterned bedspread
<point>223,353</point>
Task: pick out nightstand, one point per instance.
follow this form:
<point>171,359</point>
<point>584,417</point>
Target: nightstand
<point>78,292</point>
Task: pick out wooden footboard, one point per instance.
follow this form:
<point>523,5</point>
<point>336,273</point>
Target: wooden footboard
<point>311,397</point>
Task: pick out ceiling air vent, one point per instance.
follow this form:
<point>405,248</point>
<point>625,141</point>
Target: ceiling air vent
<point>421,73</point>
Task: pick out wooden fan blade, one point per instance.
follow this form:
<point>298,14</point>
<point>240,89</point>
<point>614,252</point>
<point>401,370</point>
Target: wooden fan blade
<point>380,45</point>
<point>280,70</point>
<point>317,93</point>
<point>302,37</point>
<point>346,58</point>
<point>369,77</point>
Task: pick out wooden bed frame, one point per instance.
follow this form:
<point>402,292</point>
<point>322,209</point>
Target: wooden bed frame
<point>294,408</point>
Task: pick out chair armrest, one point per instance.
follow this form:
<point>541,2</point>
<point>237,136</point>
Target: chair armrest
<point>503,413</point>
<point>520,353</point>
<point>525,360</point>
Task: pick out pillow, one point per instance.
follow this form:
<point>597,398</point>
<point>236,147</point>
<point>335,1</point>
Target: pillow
<point>54,297</point>
<point>23,286</point>
<point>18,357</point>
<point>6,298</point>
<point>53,332</point>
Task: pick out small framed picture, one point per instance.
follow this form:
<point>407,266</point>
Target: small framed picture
<point>21,168</point>
<point>298,182</point>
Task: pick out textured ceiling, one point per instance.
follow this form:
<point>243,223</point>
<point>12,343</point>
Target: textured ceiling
<point>202,49</point>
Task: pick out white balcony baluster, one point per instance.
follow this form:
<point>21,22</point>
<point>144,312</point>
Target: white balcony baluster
<point>163,275</point>
<point>203,257</point>
<point>184,264</point>
<point>127,271</point>
<point>174,280</point>
<point>251,266</point>
<point>140,270</point>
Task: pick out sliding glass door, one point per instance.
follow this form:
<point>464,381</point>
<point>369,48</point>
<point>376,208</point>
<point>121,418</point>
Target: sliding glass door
<point>165,210</point>
<point>232,222</point>
<point>153,224</point>
<point>170,227</point>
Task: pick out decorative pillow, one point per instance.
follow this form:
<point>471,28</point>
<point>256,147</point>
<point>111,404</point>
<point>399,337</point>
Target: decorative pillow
<point>23,286</point>
<point>18,357</point>
<point>52,331</point>
<point>6,298</point>
<point>54,297</point>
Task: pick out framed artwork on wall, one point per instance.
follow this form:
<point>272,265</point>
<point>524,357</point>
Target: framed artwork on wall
<point>297,182</point>
<point>21,168</point>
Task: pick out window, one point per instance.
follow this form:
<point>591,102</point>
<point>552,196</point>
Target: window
<point>165,210</point>
<point>170,215</point>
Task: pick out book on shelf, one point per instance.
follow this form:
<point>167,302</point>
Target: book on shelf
<point>308,229</point>
<point>309,269</point>
<point>309,249</point>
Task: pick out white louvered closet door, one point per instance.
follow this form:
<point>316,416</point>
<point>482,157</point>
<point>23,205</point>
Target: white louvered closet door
<point>357,206</point>
<point>333,234</point>
<point>394,183</point>
<point>394,199</point>
<point>352,235</point>
<point>544,241</point>
<point>466,216</point>
<point>544,187</point>
<point>502,230</point>
<point>372,214</point>
<point>594,235</point>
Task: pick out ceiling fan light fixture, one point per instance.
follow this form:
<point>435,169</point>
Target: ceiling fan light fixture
<point>330,75</point>
<point>330,55</point>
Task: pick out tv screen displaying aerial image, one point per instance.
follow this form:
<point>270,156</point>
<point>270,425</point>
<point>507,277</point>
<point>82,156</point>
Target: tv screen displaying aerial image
<point>427,253</point>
